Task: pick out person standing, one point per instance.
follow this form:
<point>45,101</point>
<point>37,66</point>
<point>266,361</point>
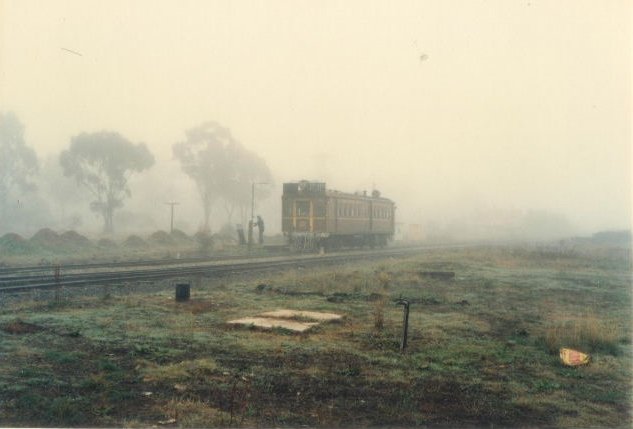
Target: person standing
<point>260,227</point>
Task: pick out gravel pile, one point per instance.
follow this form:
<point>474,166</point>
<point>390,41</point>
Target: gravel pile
<point>14,244</point>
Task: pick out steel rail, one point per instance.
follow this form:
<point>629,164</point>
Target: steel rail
<point>6,272</point>
<point>21,284</point>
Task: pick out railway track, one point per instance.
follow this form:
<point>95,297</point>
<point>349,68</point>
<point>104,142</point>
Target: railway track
<point>96,274</point>
<point>48,267</point>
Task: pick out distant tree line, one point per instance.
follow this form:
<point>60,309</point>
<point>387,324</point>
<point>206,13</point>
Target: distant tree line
<point>101,163</point>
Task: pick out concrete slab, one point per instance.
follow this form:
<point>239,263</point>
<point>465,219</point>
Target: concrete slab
<point>312,315</point>
<point>270,323</point>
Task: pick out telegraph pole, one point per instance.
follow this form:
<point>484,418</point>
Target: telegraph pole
<point>171,224</point>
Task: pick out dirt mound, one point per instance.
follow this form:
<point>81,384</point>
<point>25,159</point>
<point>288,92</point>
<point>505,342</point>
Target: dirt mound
<point>161,238</point>
<point>204,240</point>
<point>106,243</point>
<point>180,236</point>
<point>19,327</point>
<point>135,241</point>
<point>47,238</point>
<point>75,240</point>
<point>12,243</point>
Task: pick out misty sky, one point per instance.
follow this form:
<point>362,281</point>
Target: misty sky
<point>443,105</point>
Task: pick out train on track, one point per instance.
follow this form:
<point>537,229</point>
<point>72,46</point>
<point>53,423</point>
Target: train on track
<point>314,217</point>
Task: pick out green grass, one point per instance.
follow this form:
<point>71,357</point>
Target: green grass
<point>482,349</point>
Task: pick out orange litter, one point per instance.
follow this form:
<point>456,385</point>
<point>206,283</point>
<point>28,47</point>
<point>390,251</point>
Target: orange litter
<point>572,357</point>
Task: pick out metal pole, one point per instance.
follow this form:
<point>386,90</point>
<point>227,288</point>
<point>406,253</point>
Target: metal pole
<point>405,323</point>
<point>252,200</point>
<point>171,223</point>
<point>57,274</point>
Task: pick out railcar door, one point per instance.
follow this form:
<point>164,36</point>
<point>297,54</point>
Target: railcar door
<point>302,221</point>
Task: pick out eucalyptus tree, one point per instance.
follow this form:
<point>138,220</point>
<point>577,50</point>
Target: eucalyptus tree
<point>221,168</point>
<point>103,162</point>
<point>18,162</point>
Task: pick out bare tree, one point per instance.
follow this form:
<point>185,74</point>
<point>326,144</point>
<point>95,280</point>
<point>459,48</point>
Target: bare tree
<point>103,163</point>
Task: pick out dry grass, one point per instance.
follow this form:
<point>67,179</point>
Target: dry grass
<point>587,333</point>
<point>477,353</point>
<point>175,372</point>
<point>384,279</point>
<point>189,413</point>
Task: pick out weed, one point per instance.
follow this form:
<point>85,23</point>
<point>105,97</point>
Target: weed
<point>384,279</point>
<point>379,314</point>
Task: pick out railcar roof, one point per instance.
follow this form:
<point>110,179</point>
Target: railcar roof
<point>314,188</point>
<point>339,194</point>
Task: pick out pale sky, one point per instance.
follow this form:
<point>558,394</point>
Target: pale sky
<point>440,104</point>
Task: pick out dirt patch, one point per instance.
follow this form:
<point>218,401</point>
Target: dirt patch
<point>343,297</point>
<point>265,288</point>
<point>19,327</point>
<point>196,306</point>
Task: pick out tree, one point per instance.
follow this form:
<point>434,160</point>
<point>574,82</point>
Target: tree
<point>248,168</point>
<point>63,192</point>
<point>18,162</point>
<point>220,166</point>
<point>103,162</point>
<point>203,158</point>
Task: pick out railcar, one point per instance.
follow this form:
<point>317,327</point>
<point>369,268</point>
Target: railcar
<point>315,217</point>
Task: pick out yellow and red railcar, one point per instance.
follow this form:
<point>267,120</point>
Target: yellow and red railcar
<point>313,217</point>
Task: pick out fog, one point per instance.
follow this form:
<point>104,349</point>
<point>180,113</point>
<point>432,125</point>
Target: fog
<point>510,118</point>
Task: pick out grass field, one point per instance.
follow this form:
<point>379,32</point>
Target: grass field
<point>483,348</point>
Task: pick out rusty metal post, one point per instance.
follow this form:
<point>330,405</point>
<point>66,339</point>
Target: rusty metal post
<point>405,323</point>
<point>57,275</point>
